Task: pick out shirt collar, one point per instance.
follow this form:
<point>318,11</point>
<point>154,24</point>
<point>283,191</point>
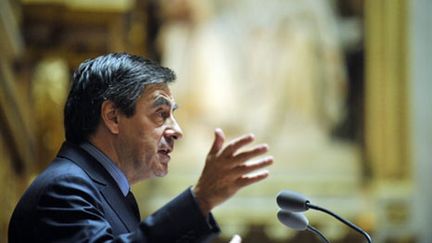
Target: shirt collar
<point>118,176</point>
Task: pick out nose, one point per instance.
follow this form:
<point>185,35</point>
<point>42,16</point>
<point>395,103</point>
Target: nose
<point>174,131</point>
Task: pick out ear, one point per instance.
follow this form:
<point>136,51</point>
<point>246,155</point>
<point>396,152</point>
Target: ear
<point>110,116</point>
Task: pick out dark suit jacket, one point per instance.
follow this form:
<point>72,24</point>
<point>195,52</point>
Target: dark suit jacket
<point>76,200</point>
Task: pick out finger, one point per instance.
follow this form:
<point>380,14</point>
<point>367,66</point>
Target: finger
<point>237,143</point>
<point>250,167</point>
<point>251,153</point>
<point>218,141</point>
<point>250,179</point>
<point>235,239</point>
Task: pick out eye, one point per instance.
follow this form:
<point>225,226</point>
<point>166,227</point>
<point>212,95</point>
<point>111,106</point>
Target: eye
<point>164,114</point>
<point>161,115</point>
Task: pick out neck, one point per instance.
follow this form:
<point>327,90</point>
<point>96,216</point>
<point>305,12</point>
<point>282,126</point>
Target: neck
<point>107,146</point>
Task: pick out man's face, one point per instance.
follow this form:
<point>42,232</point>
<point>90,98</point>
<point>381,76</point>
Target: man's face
<point>147,138</point>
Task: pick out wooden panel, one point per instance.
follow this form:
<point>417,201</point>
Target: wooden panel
<point>387,120</point>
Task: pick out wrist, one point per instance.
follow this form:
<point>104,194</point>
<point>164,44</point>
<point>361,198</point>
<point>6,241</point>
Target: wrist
<point>203,204</point>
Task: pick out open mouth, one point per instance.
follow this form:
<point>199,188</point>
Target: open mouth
<point>164,155</point>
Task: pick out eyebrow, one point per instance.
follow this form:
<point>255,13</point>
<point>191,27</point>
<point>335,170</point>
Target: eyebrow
<point>164,101</point>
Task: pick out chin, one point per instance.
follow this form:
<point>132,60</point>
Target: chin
<point>160,173</point>
<point>160,169</point>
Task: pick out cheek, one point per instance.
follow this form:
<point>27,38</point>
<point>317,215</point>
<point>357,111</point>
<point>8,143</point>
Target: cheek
<point>147,146</point>
<point>155,135</point>
<point>147,139</point>
<point>146,129</point>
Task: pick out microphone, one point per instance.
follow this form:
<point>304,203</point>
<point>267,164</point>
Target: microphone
<point>292,201</point>
<point>298,221</point>
<point>296,202</point>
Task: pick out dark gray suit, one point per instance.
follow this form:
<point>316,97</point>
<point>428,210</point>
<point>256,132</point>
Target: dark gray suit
<point>76,200</point>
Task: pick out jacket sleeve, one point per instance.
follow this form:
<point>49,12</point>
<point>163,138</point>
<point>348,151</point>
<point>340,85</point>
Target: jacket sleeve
<point>183,220</point>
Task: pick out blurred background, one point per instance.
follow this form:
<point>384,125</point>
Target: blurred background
<point>337,88</point>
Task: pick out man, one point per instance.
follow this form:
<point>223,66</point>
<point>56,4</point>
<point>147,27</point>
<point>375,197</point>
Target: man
<point>120,129</point>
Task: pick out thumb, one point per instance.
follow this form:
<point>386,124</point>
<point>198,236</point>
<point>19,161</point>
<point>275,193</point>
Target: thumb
<point>218,141</point>
<point>236,239</point>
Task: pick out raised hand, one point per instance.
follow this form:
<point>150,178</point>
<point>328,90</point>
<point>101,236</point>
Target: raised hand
<point>226,169</point>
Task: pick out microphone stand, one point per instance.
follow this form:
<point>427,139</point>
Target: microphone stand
<point>353,226</point>
<point>318,233</point>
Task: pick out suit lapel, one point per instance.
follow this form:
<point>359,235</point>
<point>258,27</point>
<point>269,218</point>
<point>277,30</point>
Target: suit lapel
<point>106,184</point>
<point>121,207</point>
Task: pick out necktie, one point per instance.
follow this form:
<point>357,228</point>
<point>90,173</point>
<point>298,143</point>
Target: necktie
<point>133,204</point>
